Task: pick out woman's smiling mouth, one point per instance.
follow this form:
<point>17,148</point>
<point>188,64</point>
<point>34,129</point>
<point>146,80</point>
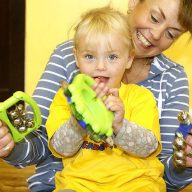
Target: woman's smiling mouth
<point>143,40</point>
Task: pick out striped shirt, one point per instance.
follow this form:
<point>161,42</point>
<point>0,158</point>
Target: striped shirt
<point>169,84</point>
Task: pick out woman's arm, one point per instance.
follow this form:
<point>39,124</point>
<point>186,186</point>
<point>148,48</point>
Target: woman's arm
<point>177,99</point>
<point>61,66</point>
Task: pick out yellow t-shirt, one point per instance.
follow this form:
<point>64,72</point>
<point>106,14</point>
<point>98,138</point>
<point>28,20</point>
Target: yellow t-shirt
<point>101,168</point>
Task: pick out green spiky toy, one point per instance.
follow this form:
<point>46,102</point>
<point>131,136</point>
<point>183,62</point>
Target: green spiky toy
<point>12,112</point>
<point>89,110</point>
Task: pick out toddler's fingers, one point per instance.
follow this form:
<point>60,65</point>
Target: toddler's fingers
<point>114,92</point>
<point>101,90</point>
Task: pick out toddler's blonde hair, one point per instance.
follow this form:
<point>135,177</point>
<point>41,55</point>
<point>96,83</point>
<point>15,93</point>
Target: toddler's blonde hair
<point>102,22</point>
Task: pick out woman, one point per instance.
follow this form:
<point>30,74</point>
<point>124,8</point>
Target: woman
<point>155,26</point>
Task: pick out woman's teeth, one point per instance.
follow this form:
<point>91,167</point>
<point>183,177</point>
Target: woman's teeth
<point>143,40</point>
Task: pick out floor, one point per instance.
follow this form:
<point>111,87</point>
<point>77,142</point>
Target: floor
<point>12,179</point>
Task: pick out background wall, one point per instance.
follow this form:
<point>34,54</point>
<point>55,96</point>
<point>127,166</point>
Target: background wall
<point>48,23</point>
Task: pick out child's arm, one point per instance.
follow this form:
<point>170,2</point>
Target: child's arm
<point>68,138</point>
<point>132,138</point>
<point>65,136</point>
<point>136,140</point>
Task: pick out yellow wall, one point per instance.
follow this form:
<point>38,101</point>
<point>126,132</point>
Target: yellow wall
<point>48,23</point>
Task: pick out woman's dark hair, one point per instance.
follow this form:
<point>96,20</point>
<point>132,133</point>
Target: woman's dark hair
<point>185,14</point>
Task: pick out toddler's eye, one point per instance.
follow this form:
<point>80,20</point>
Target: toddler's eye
<point>113,57</point>
<point>88,56</point>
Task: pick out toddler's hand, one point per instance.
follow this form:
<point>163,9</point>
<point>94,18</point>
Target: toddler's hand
<point>115,104</point>
<point>100,89</point>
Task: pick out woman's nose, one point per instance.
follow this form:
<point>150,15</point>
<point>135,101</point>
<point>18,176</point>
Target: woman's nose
<point>156,33</point>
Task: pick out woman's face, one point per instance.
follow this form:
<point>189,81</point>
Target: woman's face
<point>154,25</point>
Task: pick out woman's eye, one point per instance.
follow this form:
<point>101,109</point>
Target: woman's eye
<point>170,35</point>
<point>154,19</point>
<point>113,57</point>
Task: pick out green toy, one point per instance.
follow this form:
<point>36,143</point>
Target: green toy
<point>89,110</point>
<point>13,114</point>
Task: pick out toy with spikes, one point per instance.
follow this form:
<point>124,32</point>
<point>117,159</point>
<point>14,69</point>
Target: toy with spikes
<point>90,111</point>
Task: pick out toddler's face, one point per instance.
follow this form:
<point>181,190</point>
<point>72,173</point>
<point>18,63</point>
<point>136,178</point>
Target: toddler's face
<point>105,58</point>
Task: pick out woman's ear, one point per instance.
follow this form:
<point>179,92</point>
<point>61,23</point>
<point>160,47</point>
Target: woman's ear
<point>75,55</point>
<point>132,4</point>
<point>130,59</point>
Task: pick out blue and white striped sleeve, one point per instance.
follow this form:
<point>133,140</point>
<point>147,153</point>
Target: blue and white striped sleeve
<point>61,66</point>
<point>177,99</point>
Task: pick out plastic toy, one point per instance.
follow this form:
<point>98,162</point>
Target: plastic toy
<point>89,110</point>
<point>12,112</point>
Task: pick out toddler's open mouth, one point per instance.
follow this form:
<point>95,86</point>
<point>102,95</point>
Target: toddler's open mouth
<point>101,79</point>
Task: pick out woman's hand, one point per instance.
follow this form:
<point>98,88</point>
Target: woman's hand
<point>188,150</point>
<point>6,141</point>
